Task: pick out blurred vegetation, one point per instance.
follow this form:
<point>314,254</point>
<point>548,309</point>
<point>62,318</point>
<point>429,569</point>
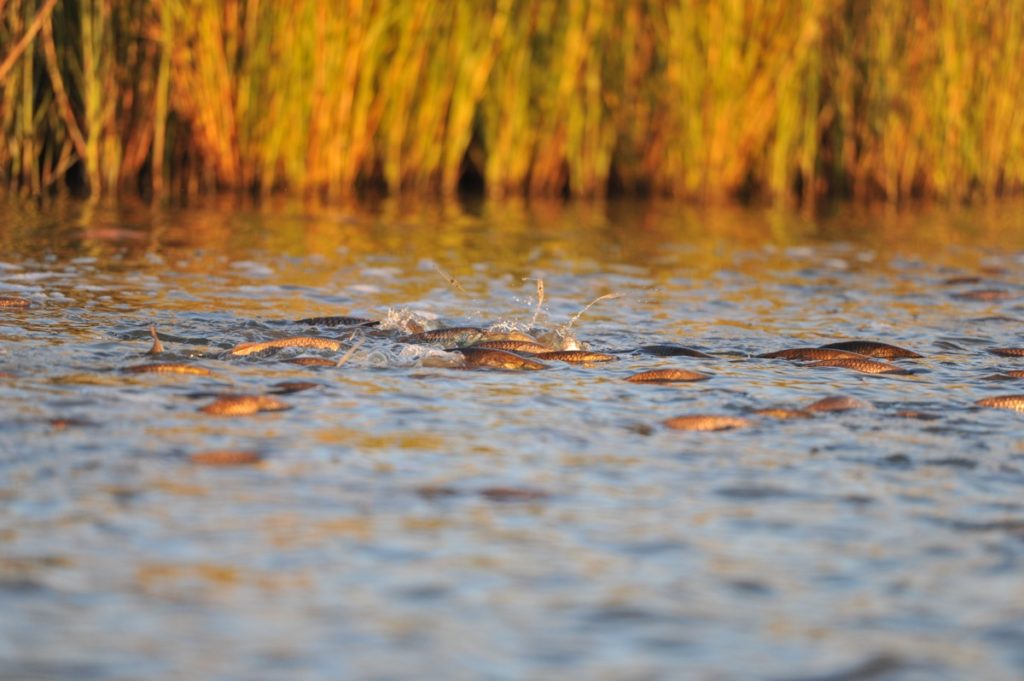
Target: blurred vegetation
<point>790,100</point>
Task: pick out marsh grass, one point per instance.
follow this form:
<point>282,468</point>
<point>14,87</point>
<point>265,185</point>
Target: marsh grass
<point>791,100</point>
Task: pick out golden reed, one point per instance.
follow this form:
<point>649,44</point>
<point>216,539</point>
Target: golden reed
<point>786,99</point>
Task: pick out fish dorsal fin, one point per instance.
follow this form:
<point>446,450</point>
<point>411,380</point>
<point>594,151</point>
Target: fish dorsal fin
<point>158,347</point>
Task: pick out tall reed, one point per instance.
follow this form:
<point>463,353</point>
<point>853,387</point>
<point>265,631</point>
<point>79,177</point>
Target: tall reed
<point>792,100</point>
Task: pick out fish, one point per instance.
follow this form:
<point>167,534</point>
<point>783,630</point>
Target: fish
<point>577,356</point>
<point>337,321</point>
<point>511,335</point>
<point>498,359</point>
<point>510,494</point>
<point>1008,352</point>
<point>1014,402</point>
<point>436,491</point>
<point>288,387</point>
<point>169,368</point>
<point>837,403</point>
<point>783,413</point>
<point>520,346</point>
<point>242,405</point>
<point>245,349</point>
<point>560,338</point>
<point>69,422</point>
<point>984,295</point>
<point>226,457</point>
<point>914,414</point>
<point>312,361</point>
<point>1003,376</point>
<point>667,350</point>
<point>14,302</point>
<point>864,366</point>
<point>667,376</point>
<point>705,422</point>
<point>874,349</point>
<point>157,347</point>
<point>460,336</point>
<point>957,281</point>
<point>998,318</point>
<point>808,354</point>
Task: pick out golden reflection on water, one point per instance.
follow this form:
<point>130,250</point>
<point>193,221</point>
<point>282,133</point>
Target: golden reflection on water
<point>515,237</point>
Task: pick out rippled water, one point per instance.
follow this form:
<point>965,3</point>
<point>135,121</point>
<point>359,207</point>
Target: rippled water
<point>415,520</point>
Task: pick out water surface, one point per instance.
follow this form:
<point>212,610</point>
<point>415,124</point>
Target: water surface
<point>415,520</point>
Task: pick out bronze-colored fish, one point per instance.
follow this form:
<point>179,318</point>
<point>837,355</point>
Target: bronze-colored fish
<point>509,494</point>
<point>998,318</point>
<point>312,361</point>
<point>436,491</point>
<point>459,336</point>
<point>560,338</point>
<point>837,403</point>
<point>957,281</point>
<point>168,368</point>
<point>498,359</point>
<point>520,346</point>
<point>1014,402</point>
<point>69,422</point>
<point>864,366</point>
<point>512,335</point>
<point>337,321</point>
<point>158,347</point>
<point>706,422</point>
<point>244,349</point>
<point>1008,352</point>
<point>1004,376</point>
<point>984,295</point>
<point>14,302</point>
<point>809,354</point>
<point>225,457</point>
<point>576,356</point>
<point>242,405</point>
<point>667,350</point>
<point>874,349</point>
<point>289,387</point>
<point>919,415</point>
<point>783,413</point>
<point>667,376</point>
